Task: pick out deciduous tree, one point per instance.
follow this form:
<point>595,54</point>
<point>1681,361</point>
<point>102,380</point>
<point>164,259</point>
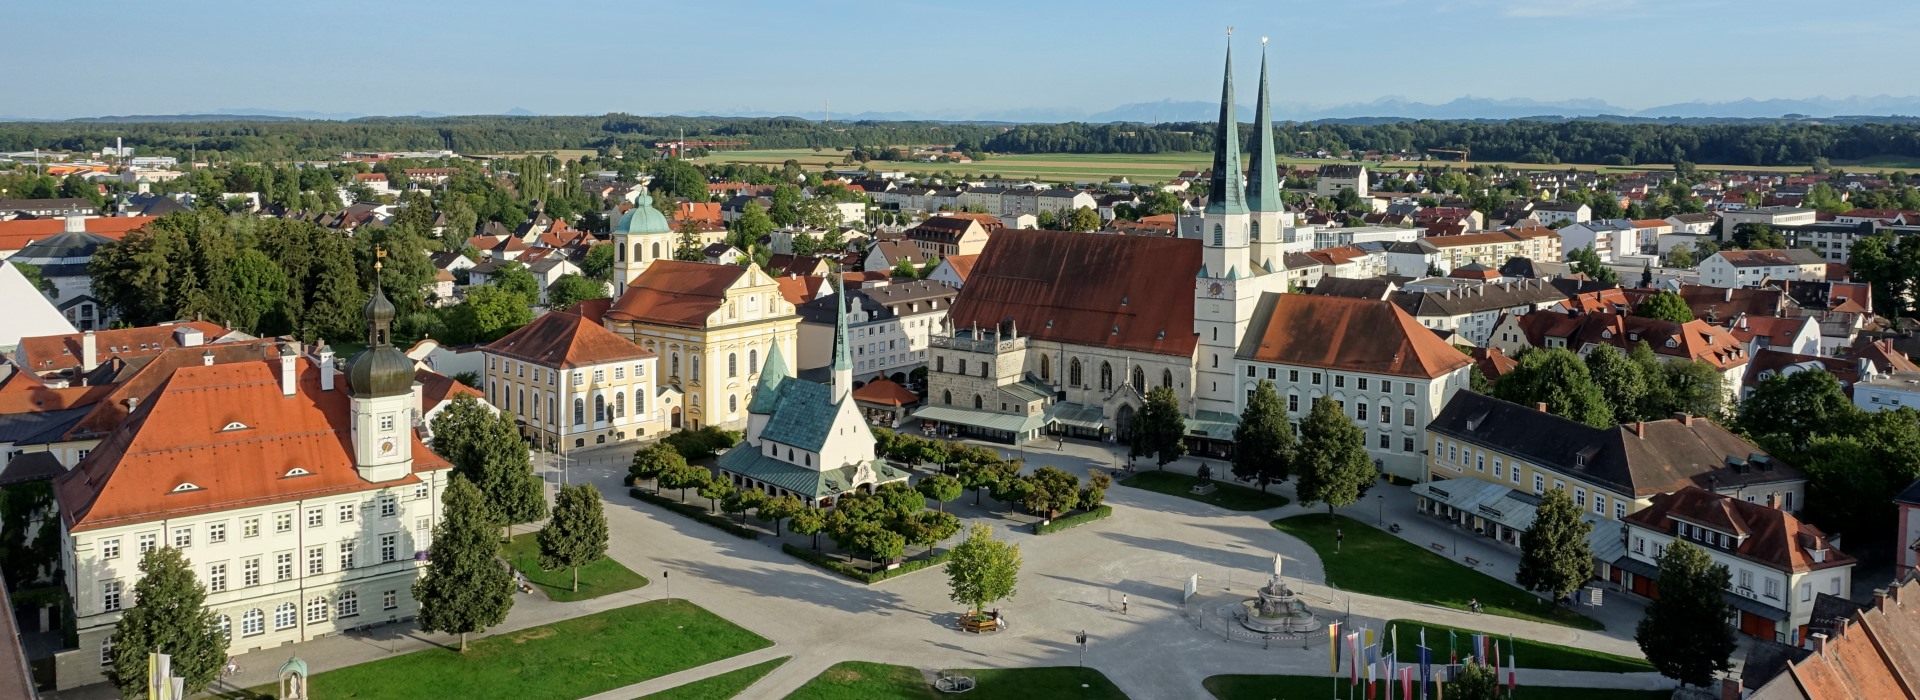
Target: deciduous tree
<point>981,569</point>
<point>653,461</point>
<point>1334,467</point>
<point>576,535</point>
<point>1554,557</point>
<point>1685,632</point>
<point>1263,442</point>
<point>169,615</point>
<point>1558,378</point>
<point>1158,429</point>
<point>465,587</point>
<point>1666,306</point>
<point>939,488</point>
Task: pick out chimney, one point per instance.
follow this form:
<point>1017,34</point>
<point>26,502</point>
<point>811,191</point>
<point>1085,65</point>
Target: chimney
<point>1729,294</point>
<point>1817,642</point>
<point>1730,689</point>
<point>1880,599</point>
<point>75,224</point>
<point>206,359</point>
<point>1686,419</point>
<point>89,352</point>
<point>327,369</point>
<point>1640,428</point>
<point>1541,406</point>
<point>287,357</point>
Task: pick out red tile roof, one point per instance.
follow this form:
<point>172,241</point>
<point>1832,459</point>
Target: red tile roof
<point>131,476</point>
<point>799,289</point>
<point>1774,537</point>
<point>591,309</point>
<point>52,353</point>
<point>676,293</point>
<point>563,340</point>
<point>23,392</point>
<point>112,409</point>
<point>437,388</point>
<point>1090,289</point>
<point>884,391</point>
<point>1353,335</point>
<point>962,264</point>
<point>16,234</point>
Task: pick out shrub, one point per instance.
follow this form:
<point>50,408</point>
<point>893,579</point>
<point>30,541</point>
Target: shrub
<point>696,513</point>
<point>826,561</point>
<point>1081,518</point>
<point>702,443</point>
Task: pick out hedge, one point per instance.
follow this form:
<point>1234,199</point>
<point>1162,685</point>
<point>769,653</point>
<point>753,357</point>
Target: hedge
<point>695,512</point>
<point>1063,523</point>
<point>853,572</point>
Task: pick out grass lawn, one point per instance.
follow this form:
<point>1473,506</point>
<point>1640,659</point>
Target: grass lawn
<point>596,579</point>
<point>721,687</point>
<point>1226,495</point>
<point>860,680</point>
<point>562,661</point>
<point>1250,687</point>
<point>1376,563</point>
<point>1528,653</point>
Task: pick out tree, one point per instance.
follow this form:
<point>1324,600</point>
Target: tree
<point>577,533</point>
<point>655,460</point>
<point>516,278</point>
<point>1587,262</point>
<point>489,313</point>
<point>777,509</point>
<point>38,279</point>
<point>1792,408</point>
<point>1621,381</point>
<point>1691,387</point>
<point>739,501</point>
<point>1052,491</point>
<point>684,476</point>
<point>1680,257</point>
<point>930,527</point>
<point>1083,219</point>
<point>1685,633</point>
<point>1158,429</point>
<point>598,263</point>
<point>1757,237</point>
<point>169,615</point>
<point>714,489</point>
<point>1263,442</point>
<point>1666,306</point>
<point>981,569</point>
<point>752,225</point>
<point>1476,681</point>
<point>1554,557</point>
<point>1334,466</point>
<point>485,447</point>
<point>465,588</point>
<point>939,488</point>
<point>570,288</point>
<point>1558,378</point>
<point>1477,381</point>
<point>808,521</point>
<point>786,206</point>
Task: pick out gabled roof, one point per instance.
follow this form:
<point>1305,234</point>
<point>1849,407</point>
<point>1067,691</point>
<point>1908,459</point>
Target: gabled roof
<point>886,392</point>
<point>138,379</point>
<point>1771,258</point>
<point>676,293</point>
<point>1872,654</point>
<point>1354,335</point>
<point>132,475</point>
<point>1771,536</point>
<point>962,264</point>
<point>564,340</point>
<point>16,234</point>
<point>53,353</point>
<point>1090,289</point>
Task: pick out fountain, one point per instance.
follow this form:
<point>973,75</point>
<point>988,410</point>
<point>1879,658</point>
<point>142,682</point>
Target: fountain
<point>1277,610</point>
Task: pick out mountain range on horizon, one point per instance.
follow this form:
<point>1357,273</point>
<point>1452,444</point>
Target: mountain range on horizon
<point>1468,107</point>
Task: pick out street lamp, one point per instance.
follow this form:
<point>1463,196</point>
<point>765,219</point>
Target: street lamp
<point>1083,648</point>
<point>1380,509</point>
<point>668,582</point>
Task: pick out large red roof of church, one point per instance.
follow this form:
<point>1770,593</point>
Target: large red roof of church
<point>227,430</point>
<point>1353,335</point>
<point>1101,290</point>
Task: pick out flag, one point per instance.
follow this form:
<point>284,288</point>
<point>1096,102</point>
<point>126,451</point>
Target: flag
<point>1513,680</point>
<point>1406,683</point>
<point>1333,646</point>
<point>1426,664</point>
<point>1353,657</point>
<point>1453,650</point>
<point>1496,661</point>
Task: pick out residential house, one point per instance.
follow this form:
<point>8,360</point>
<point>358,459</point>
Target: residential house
<point>953,270</point>
<point>1333,178</point>
<point>547,374</point>
<point>889,327</point>
<point>1472,311</point>
<point>1693,224</point>
<point>1756,268</point>
<point>885,255</point>
<point>1770,215</point>
<point>1550,213</point>
<point>1867,654</point>
<point>1776,562</point>
<point>941,236</point>
<point>1694,340</point>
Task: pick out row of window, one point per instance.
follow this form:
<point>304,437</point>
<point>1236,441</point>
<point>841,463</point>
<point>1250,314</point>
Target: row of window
<point>182,537</point>
<point>552,377</point>
<point>285,616</point>
<point>1339,380</point>
<point>250,568</point>
<point>1460,458</point>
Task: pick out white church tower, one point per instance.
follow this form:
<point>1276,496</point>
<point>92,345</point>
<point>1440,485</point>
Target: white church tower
<point>380,382</point>
<point>1224,291</point>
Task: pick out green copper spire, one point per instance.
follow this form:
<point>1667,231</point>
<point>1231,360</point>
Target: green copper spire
<point>766,392</point>
<point>1227,193</point>
<point>1263,183</point>
<point>842,362</point>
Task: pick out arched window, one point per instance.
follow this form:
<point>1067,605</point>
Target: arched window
<point>656,250</point>
<point>1073,372</point>
<point>599,408</point>
<point>1106,376</point>
<point>1166,378</point>
<point>753,360</point>
<point>1046,368</point>
<point>1256,230</point>
<point>224,625</point>
<point>676,365</point>
<point>619,253</point>
<point>347,604</point>
<point>619,404</point>
<point>317,609</point>
<point>733,403</point>
<point>285,616</point>
<point>1219,235</point>
<point>696,367</point>
<point>1139,379</point>
<point>977,403</point>
<point>579,411</point>
<point>733,365</point>
<point>639,403</point>
<point>946,397</point>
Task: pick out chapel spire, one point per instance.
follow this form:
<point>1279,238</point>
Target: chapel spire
<point>842,363</point>
<point>1263,183</point>
<point>1226,193</point>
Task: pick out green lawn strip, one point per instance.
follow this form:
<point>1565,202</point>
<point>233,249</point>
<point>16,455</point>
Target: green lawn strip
<point>861,680</point>
<point>1255,687</point>
<point>1526,652</point>
<point>1225,495</point>
<point>562,661</point>
<point>1376,563</point>
<point>597,579</point>
<point>721,687</point>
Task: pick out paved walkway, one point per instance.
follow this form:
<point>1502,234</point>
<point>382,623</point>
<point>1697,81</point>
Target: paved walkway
<point>1071,581</point>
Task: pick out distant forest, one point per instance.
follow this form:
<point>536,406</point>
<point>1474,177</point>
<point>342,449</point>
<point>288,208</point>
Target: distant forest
<point>1750,142</point>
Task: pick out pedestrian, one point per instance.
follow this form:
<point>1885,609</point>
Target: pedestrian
<point>1339,538</point>
<point>1123,603</point>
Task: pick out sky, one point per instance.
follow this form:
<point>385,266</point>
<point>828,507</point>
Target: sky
<point>960,58</point>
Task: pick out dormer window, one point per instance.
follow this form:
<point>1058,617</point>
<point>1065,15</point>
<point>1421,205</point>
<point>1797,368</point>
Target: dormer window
<point>296,471</point>
<point>236,425</point>
<point>186,486</point>
<point>1673,343</point>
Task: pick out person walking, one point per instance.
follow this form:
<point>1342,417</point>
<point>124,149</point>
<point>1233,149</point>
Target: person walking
<point>1123,603</point>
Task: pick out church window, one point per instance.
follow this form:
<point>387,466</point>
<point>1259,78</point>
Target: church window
<point>599,409</point>
<point>1139,379</point>
<point>1073,372</point>
<point>940,363</point>
<point>733,403</point>
<point>656,250</point>
<point>620,253</point>
<point>1046,368</point>
<point>695,360</point>
<point>1106,376</point>
<point>946,397</point>
<point>619,404</point>
<point>1219,235</point>
<point>977,403</point>
<point>1256,230</point>
<point>963,366</point>
<point>1166,378</point>
<point>753,359</point>
<point>733,365</point>
<point>639,404</point>
<point>579,411</point>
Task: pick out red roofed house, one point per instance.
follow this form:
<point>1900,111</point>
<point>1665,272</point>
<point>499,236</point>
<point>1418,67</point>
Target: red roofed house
<point>1777,563</point>
<point>1754,268</point>
<point>75,354</point>
<point>953,270</point>
<point>570,383</point>
<point>711,327</point>
<point>16,234</point>
<point>1872,653</point>
<point>884,401</point>
<point>303,498</point>
<point>1672,342</point>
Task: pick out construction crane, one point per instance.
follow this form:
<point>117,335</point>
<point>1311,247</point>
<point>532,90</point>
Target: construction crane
<point>1462,153</point>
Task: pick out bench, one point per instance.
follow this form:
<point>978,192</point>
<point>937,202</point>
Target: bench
<point>1438,547</point>
<point>1472,561</point>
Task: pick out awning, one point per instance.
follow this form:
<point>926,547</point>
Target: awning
<point>1077,415</point>
<point>1213,424</point>
<point>1636,567</point>
<point>1749,605</point>
<point>1004,422</point>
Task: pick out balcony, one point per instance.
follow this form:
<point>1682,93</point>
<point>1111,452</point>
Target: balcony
<point>982,345</point>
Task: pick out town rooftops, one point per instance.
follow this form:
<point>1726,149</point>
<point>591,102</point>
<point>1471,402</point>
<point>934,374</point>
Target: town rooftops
<point>19,233</point>
<point>1771,258</point>
<point>1089,289</point>
<point>55,353</point>
<point>1476,298</point>
<point>1871,654</point>
<point>676,293</point>
<point>962,264</point>
<point>1763,534</point>
<point>1352,335</point>
<point>564,340</point>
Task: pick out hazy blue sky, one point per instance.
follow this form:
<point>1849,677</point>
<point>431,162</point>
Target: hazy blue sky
<point>72,57</point>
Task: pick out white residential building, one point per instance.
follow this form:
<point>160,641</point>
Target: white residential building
<point>1754,268</point>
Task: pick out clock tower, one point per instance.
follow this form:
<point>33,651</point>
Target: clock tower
<point>1225,290</point>
<point>380,385</point>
